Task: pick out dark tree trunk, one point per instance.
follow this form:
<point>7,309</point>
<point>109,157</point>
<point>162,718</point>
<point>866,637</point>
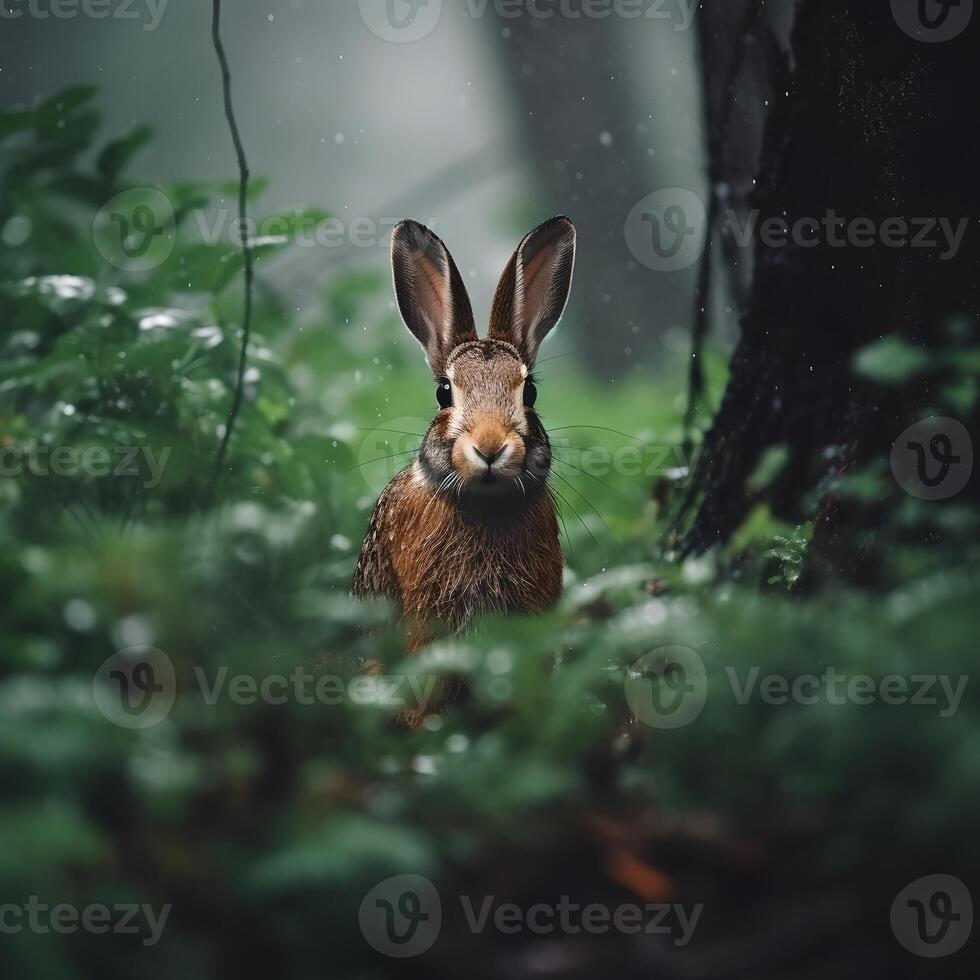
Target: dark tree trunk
<point>870,124</point>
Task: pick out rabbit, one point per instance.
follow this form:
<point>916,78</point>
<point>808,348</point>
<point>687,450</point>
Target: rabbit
<point>470,526</point>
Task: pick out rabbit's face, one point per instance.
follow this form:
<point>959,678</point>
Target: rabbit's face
<point>487,437</point>
<point>487,434</point>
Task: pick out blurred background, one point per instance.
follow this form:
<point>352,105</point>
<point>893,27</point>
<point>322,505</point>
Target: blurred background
<point>734,428</point>
<point>460,129</point>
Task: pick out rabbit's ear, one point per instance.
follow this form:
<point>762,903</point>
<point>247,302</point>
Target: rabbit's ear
<point>534,288</point>
<point>431,296</point>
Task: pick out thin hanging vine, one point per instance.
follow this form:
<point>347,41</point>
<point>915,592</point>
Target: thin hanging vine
<point>247,257</point>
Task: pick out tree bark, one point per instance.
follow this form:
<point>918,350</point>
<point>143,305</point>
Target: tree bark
<point>869,125</point>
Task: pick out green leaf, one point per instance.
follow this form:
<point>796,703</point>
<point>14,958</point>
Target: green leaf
<point>891,360</point>
<point>117,154</point>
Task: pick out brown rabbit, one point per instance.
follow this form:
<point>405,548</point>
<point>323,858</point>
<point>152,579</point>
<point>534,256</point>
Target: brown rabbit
<point>470,526</point>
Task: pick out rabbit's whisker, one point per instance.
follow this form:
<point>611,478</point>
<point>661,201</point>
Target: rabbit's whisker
<point>378,428</point>
<point>381,459</point>
<point>554,357</point>
<point>593,507</point>
<point>588,530</point>
<point>608,486</point>
<point>598,428</point>
<point>561,517</point>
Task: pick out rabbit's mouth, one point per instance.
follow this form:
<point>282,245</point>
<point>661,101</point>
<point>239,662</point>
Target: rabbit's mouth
<point>492,483</point>
<point>489,463</point>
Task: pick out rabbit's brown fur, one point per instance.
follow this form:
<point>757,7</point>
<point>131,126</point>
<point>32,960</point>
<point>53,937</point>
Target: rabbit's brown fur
<point>470,526</point>
<point>444,564</point>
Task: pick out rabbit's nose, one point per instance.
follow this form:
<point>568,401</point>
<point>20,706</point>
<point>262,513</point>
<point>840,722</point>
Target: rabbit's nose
<point>489,457</point>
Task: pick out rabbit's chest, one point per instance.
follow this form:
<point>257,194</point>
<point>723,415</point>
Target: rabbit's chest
<point>460,570</point>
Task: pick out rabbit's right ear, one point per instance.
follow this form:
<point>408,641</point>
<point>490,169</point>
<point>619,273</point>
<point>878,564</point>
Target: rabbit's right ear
<point>431,296</point>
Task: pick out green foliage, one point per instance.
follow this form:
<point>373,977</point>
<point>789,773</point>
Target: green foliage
<point>265,823</point>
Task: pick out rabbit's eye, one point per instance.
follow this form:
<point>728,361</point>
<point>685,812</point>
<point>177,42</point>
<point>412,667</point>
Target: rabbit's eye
<point>530,393</point>
<point>444,393</point>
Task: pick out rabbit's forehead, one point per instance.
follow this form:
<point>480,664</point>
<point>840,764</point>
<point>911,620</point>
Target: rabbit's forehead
<point>488,365</point>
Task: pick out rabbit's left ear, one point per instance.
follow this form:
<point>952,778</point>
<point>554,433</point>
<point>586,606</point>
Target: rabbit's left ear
<point>533,290</point>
